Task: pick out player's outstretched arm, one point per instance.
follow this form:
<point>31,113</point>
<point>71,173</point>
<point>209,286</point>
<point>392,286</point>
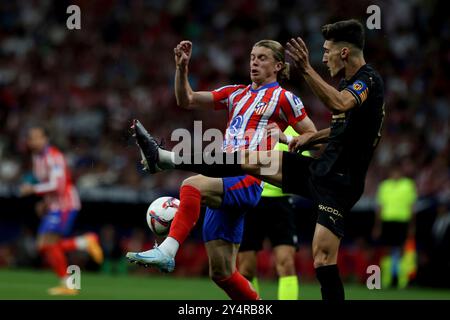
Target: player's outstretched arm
<point>185,96</point>
<point>336,101</point>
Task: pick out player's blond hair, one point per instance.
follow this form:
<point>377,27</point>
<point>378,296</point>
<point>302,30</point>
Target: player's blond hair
<point>278,54</point>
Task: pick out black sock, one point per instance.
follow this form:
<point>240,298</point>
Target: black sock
<point>228,164</point>
<point>331,284</point>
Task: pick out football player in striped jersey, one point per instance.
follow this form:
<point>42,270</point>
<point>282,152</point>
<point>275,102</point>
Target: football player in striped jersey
<point>59,207</point>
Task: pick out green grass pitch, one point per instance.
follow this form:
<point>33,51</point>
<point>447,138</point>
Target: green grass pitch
<point>28,284</point>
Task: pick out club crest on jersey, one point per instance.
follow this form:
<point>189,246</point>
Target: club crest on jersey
<point>261,107</point>
<point>361,89</point>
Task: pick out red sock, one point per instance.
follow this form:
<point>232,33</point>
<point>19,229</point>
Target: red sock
<point>68,244</point>
<point>56,258</point>
<point>187,214</point>
<point>237,287</point>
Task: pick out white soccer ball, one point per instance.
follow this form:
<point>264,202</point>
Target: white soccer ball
<point>160,214</point>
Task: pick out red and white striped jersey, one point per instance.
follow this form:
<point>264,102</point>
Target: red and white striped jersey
<point>55,182</point>
<point>250,111</point>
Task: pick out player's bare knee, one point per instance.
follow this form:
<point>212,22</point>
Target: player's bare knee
<point>196,182</point>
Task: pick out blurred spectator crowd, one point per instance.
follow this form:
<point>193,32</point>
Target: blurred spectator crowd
<point>86,85</point>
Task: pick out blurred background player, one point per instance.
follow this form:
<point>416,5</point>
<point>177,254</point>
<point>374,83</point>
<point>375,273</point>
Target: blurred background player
<point>275,219</point>
<point>394,226</point>
<point>251,108</point>
<point>58,209</point>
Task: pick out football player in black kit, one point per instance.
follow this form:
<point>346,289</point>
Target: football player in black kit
<point>335,180</point>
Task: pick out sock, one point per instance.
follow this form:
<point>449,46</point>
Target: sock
<point>166,159</point>
<point>288,288</point>
<point>186,216</point>
<point>331,284</point>
<point>227,164</point>
<point>237,287</point>
<point>76,243</point>
<point>56,258</point>
<point>169,246</point>
<point>255,284</point>
<point>68,244</point>
<point>81,242</point>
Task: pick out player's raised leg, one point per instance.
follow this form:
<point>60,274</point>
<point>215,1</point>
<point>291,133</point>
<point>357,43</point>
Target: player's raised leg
<point>265,165</point>
<point>88,242</point>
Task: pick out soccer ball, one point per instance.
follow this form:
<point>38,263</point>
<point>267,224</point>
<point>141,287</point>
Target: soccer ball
<point>160,214</point>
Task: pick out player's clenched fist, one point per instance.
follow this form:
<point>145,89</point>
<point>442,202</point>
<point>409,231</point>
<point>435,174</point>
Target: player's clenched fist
<point>183,53</point>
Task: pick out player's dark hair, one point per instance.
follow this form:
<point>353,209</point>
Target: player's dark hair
<point>351,31</point>
<point>278,54</point>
